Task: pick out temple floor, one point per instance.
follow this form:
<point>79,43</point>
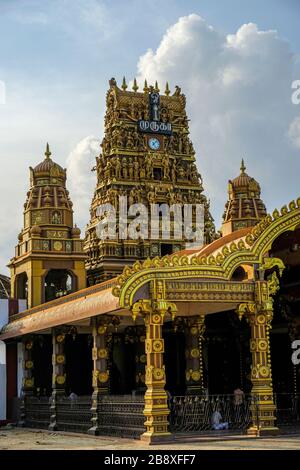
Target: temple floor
<point>26,439</point>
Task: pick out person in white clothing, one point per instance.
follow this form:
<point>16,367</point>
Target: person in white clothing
<point>73,396</point>
<point>217,421</point>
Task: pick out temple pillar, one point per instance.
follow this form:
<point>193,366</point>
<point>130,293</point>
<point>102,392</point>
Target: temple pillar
<point>28,376</point>
<point>194,328</point>
<point>259,315</point>
<point>58,374</point>
<point>100,355</point>
<point>156,408</point>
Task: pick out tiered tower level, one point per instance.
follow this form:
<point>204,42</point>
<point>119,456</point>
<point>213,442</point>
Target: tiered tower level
<point>49,258</point>
<point>148,157</point>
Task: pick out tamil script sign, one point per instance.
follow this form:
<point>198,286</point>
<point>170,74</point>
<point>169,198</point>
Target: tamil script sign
<point>155,127</point>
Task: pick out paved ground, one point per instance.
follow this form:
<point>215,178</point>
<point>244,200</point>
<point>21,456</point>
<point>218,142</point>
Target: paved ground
<point>22,439</point>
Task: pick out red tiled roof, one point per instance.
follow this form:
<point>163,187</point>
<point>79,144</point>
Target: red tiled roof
<point>215,245</point>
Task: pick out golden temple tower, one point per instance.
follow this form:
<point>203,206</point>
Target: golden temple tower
<point>49,258</point>
<point>244,207</point>
<point>147,157</point>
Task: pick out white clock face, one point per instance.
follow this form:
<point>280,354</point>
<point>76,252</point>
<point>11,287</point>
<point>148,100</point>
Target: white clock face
<point>154,143</point>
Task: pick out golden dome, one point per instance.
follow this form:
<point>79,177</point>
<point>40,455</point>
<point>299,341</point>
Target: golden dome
<point>244,180</point>
<point>244,207</point>
<point>48,191</point>
<point>76,232</point>
<point>49,166</point>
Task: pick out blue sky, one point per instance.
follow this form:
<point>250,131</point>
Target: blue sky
<point>57,56</point>
<point>54,41</point>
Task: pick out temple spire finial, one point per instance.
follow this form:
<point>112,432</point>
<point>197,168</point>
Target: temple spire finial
<point>146,89</point>
<point>167,90</point>
<point>135,86</point>
<point>47,153</point>
<point>243,168</point>
<point>124,84</point>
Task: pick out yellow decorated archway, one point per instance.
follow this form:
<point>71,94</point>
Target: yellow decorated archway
<point>218,266</point>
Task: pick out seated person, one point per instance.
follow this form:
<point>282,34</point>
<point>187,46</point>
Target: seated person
<point>216,421</point>
<point>73,396</point>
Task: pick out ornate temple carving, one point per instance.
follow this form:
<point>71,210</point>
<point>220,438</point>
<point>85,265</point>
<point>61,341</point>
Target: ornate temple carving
<point>146,156</point>
<point>49,243</point>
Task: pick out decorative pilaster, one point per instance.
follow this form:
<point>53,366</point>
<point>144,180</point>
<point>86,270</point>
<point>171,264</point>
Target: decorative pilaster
<point>100,354</point>
<point>28,380</point>
<point>259,315</point>
<point>58,374</point>
<point>194,330</point>
<point>28,376</point>
<point>156,399</point>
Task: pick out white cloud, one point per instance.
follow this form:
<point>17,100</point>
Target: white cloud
<point>238,91</point>
<point>81,180</point>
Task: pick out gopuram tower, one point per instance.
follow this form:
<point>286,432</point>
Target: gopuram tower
<point>49,258</point>
<point>147,157</point>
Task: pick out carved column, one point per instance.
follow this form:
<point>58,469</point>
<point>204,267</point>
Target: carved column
<point>100,354</point>
<point>194,330</point>
<point>28,376</point>
<point>58,373</point>
<point>259,316</point>
<point>156,400</point>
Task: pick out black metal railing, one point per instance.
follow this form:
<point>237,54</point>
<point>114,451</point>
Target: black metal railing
<point>287,409</point>
<point>118,415</point>
<point>37,412</point>
<point>74,414</point>
<point>194,413</point>
<point>121,415</point>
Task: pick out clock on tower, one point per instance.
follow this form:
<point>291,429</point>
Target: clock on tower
<point>154,143</point>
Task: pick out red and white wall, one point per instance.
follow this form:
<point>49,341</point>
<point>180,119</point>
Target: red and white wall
<point>11,360</point>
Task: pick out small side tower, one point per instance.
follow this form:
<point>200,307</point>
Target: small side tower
<point>49,258</point>
<point>244,207</point>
